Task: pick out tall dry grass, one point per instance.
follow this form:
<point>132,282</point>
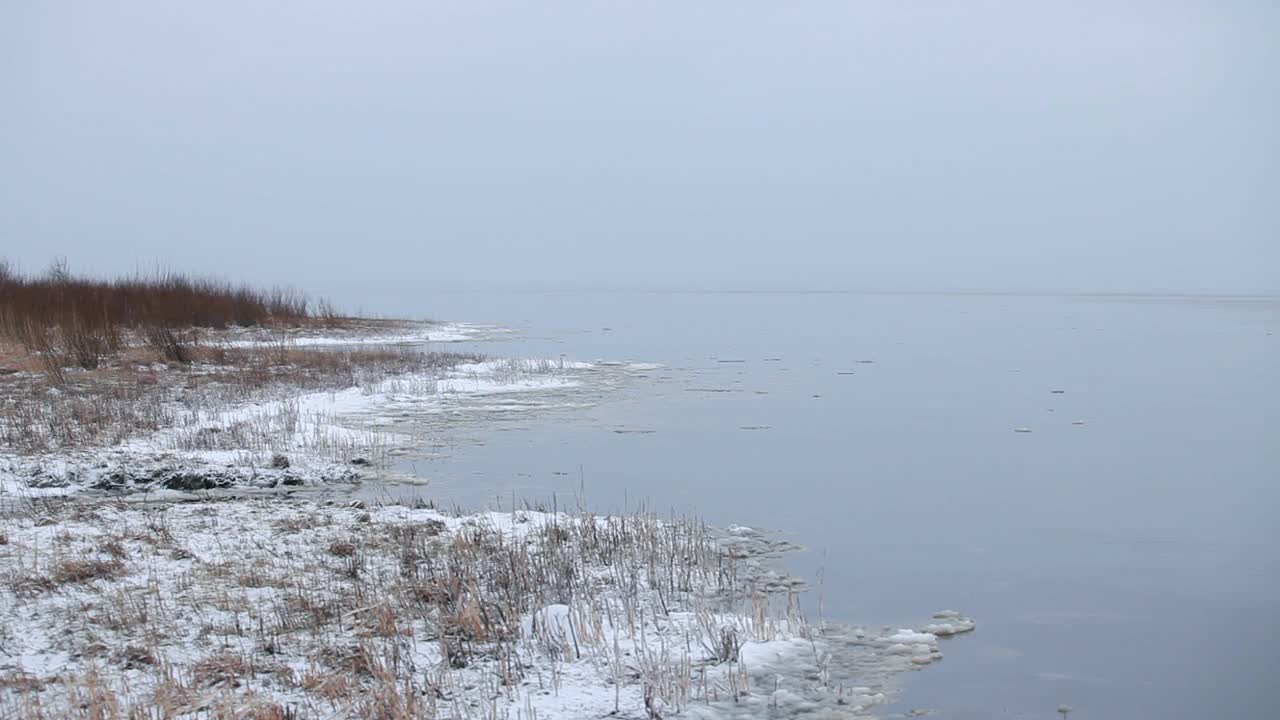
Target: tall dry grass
<point>66,320</point>
<point>57,298</point>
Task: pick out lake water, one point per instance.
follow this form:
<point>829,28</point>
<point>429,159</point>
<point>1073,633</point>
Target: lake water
<point>1122,557</point>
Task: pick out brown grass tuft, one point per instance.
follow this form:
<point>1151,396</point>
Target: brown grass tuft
<point>80,570</point>
<point>342,548</point>
<point>221,669</point>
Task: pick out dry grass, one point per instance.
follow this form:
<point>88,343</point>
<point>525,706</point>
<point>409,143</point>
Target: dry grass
<point>61,321</point>
<point>40,413</point>
<point>221,669</point>
<point>395,612</point>
<point>85,570</point>
<point>92,308</point>
<point>90,363</point>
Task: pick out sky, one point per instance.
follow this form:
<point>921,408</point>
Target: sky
<point>887,145</point>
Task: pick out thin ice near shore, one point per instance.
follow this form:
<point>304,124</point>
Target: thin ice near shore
<point>307,438</point>
<point>403,334</point>
<point>204,431</point>
<point>259,608</point>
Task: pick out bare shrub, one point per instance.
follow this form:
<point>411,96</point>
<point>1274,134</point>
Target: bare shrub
<point>89,344</point>
<point>169,345</point>
<point>39,342</point>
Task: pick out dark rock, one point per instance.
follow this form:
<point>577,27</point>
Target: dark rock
<point>111,481</point>
<point>119,478</point>
<point>45,480</point>
<point>190,481</point>
<point>291,480</point>
<point>362,462</point>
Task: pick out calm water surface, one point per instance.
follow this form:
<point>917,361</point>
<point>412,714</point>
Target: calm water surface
<point>1121,557</point>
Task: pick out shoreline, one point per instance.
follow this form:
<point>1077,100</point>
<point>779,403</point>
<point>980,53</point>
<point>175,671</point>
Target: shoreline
<point>220,607</point>
<point>193,570</point>
<point>309,412</point>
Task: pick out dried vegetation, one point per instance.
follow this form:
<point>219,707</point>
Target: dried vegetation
<point>231,608</point>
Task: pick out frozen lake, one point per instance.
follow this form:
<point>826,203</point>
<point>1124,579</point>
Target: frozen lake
<point>1120,557</point>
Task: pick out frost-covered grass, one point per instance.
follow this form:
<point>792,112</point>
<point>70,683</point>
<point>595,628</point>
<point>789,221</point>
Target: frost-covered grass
<point>362,332</point>
<point>140,395</point>
<point>229,415</point>
<point>293,608</point>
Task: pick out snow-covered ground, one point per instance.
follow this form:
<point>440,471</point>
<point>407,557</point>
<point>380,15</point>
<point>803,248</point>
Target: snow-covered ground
<point>292,439</point>
<point>380,334</point>
<point>214,434</point>
<point>127,589</point>
<point>291,605</point>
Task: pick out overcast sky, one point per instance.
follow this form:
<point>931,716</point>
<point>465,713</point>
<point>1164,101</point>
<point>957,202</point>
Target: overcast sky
<point>893,144</point>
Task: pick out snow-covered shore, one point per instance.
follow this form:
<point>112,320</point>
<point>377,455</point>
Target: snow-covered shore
<point>226,608</point>
<point>381,333</point>
<point>166,569</point>
<point>283,433</point>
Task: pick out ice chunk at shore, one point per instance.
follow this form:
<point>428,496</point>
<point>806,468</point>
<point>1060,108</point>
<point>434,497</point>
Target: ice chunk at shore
<point>949,622</point>
<point>912,637</point>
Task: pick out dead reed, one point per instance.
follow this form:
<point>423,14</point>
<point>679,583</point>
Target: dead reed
<point>64,320</point>
<point>40,414</point>
<point>312,610</point>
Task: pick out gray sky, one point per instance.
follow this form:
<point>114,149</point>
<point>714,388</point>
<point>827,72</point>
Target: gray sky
<point>894,145</point>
